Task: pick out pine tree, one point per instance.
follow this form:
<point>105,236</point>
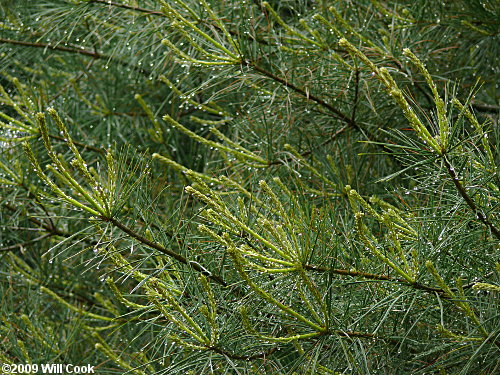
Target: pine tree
<point>282,187</point>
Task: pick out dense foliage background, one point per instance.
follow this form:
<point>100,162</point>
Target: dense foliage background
<point>237,187</point>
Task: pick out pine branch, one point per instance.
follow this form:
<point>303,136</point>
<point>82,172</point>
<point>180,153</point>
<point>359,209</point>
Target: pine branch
<point>50,228</point>
<point>84,146</point>
<point>372,276</point>
<point>470,202</point>
<point>350,121</point>
<point>356,95</point>
<point>75,50</point>
<point>155,245</point>
<point>309,152</point>
<point>125,6</point>
<point>47,46</point>
<point>22,245</point>
<point>338,114</point>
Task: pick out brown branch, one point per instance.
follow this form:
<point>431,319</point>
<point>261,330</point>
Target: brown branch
<point>93,54</point>
<point>470,202</point>
<point>338,132</point>
<point>373,276</point>
<point>159,13</point>
<point>47,227</point>
<point>308,152</point>
<point>79,144</point>
<point>157,246</point>
<point>349,121</point>
<point>303,93</point>
<point>85,52</point>
<point>242,357</point>
<point>485,107</point>
<point>72,81</point>
<point>348,334</point>
<point>338,114</point>
<point>52,230</point>
<point>129,7</point>
<point>21,245</point>
<point>356,94</point>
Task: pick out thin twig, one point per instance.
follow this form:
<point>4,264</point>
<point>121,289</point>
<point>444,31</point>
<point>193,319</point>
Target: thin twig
<point>372,276</point>
<point>47,227</point>
<point>129,7</point>
<point>81,51</point>
<point>85,52</point>
<point>157,246</point>
<point>356,94</point>
<point>26,243</point>
<point>82,145</point>
<point>241,357</point>
<point>308,152</point>
<point>470,202</point>
<point>303,93</point>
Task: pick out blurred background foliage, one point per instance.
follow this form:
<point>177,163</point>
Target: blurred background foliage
<point>297,106</point>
